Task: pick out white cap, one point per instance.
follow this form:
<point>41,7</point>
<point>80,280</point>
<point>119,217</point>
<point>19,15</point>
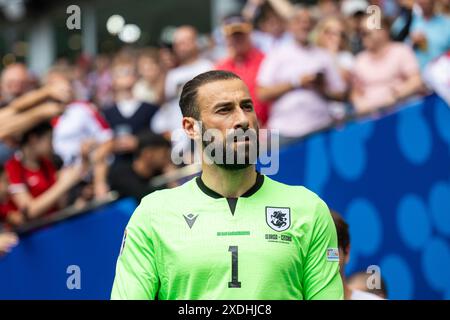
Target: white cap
<point>350,7</point>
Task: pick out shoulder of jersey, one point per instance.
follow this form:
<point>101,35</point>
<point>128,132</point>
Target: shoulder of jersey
<point>288,190</point>
<point>167,196</point>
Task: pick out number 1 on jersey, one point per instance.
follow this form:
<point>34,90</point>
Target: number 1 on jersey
<point>234,268</point>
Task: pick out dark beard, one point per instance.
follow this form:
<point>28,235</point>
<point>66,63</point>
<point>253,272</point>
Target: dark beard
<point>233,150</point>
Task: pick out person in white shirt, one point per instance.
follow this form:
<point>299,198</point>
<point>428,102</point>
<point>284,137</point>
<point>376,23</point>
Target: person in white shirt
<point>168,118</point>
<point>357,282</point>
<point>344,257</point>
<point>82,132</point>
<point>299,79</point>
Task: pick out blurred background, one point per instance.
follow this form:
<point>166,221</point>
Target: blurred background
<point>358,92</point>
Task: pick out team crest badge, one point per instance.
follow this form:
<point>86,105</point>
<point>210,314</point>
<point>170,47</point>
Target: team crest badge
<point>279,219</point>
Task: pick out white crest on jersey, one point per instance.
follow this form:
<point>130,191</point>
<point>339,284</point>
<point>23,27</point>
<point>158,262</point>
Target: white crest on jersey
<point>279,219</point>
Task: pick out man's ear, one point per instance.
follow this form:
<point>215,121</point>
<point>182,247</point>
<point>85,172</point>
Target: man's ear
<point>192,127</point>
<point>347,255</point>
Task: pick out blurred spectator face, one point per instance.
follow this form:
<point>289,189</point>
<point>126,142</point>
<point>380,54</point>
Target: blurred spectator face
<point>329,7</point>
<point>185,43</point>
<point>427,6</point>
<point>156,157</point>
<point>124,76</point>
<point>237,33</point>
<point>373,38</point>
<point>272,24</point>
<point>149,68</point>
<point>60,80</point>
<point>331,34</point>
<point>167,58</point>
<point>101,63</point>
<point>239,43</point>
<point>15,81</point>
<point>41,144</point>
<point>301,25</point>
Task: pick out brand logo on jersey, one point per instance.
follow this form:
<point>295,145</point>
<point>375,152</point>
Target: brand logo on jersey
<point>279,219</point>
<point>333,254</point>
<point>190,219</point>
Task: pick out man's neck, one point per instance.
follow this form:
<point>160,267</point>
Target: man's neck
<point>29,159</point>
<point>190,60</point>
<point>124,95</point>
<point>242,56</point>
<point>303,43</point>
<point>229,183</point>
<point>380,49</point>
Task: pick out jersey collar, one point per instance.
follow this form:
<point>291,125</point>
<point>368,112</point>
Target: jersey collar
<point>209,192</point>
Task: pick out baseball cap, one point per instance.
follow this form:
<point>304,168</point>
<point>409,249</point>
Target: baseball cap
<point>234,24</point>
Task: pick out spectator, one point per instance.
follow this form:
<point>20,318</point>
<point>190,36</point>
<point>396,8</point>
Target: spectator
<point>354,11</point>
<point>167,58</point>
<point>437,76</point>
<point>8,215</point>
<point>82,132</point>
<point>15,81</point>
<point>244,59</point>
<point>385,73</point>
<point>150,86</point>
<point>430,32</point>
<point>35,187</point>
<point>300,79</point>
<point>127,116</point>
<point>8,240</point>
<point>151,158</point>
<point>344,256</point>
<point>402,23</point>
<point>327,8</point>
<point>168,118</point>
<point>100,82</point>
<point>358,282</point>
<point>26,111</point>
<point>270,18</point>
<point>330,34</point>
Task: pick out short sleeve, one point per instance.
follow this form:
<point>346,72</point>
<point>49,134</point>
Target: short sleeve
<point>321,276</point>
<point>268,70</point>
<point>97,126</point>
<point>14,173</point>
<point>136,272</point>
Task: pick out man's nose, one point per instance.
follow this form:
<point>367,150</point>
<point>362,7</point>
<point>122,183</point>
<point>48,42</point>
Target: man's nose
<point>241,119</point>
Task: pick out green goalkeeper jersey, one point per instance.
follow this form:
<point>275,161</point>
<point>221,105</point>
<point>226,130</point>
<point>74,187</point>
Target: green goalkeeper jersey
<point>274,242</point>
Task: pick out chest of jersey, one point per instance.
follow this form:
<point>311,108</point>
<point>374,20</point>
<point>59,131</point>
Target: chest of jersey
<point>207,252</point>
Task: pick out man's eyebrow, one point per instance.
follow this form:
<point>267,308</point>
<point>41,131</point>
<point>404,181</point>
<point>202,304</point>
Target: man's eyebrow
<point>247,100</point>
<point>222,104</point>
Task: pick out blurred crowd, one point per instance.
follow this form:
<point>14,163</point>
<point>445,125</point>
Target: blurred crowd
<point>105,123</point>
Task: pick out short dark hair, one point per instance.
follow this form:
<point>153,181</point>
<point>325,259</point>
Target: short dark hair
<point>188,103</point>
<point>38,130</point>
<point>342,231</point>
<point>148,139</point>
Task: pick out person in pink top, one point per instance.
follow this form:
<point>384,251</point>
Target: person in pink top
<point>299,79</point>
<point>385,73</point>
<point>244,59</point>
